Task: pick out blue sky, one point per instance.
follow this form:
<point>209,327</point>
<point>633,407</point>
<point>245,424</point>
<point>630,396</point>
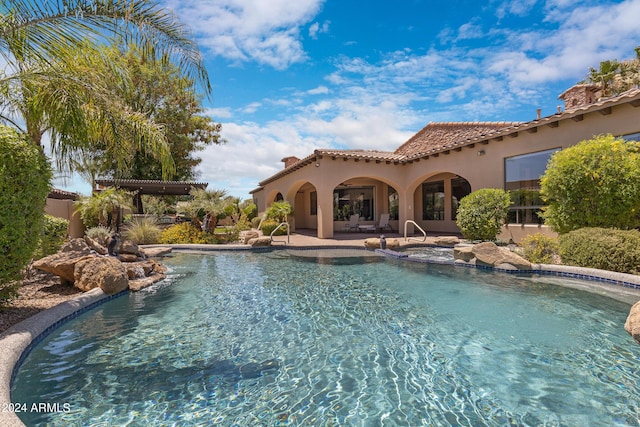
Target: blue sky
<point>292,76</point>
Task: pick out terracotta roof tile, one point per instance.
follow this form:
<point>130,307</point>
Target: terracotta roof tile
<point>436,136</point>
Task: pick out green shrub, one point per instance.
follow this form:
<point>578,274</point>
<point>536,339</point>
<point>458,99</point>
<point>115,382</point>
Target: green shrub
<point>255,221</point>
<point>482,213</point>
<point>24,185</point>
<point>595,183</point>
<point>54,234</point>
<point>100,234</point>
<point>186,233</point>
<point>279,211</point>
<point>269,225</point>
<point>251,211</point>
<point>142,230</point>
<point>242,224</point>
<point>602,248</point>
<point>540,248</point>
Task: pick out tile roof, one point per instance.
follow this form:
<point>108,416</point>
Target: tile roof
<point>438,135</point>
<point>442,136</point>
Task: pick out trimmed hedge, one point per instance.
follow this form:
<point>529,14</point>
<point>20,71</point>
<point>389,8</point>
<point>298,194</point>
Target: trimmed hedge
<point>25,175</point>
<point>602,248</point>
<point>186,233</point>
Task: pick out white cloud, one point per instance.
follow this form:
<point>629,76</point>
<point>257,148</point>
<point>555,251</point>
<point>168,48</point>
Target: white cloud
<point>265,31</point>
<point>320,90</point>
<point>315,29</point>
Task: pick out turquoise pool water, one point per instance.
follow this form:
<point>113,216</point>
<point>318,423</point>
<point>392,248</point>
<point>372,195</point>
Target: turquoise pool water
<point>243,339</point>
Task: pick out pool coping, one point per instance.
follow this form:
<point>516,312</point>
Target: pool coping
<point>17,341</point>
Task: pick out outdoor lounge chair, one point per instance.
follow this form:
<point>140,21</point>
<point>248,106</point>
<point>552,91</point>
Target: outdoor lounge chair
<point>384,223</point>
<point>353,223</point>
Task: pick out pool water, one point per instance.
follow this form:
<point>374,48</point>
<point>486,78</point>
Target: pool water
<point>243,339</point>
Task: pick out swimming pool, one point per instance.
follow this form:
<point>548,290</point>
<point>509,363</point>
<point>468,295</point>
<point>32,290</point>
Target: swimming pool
<point>273,339</point>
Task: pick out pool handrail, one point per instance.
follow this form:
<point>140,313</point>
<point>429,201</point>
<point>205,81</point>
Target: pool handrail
<point>276,229</point>
<point>424,233</point>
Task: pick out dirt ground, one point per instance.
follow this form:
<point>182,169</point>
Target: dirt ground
<point>38,292</point>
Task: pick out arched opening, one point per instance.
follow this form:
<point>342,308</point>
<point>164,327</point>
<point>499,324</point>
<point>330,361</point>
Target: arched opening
<point>279,197</point>
<point>437,200</point>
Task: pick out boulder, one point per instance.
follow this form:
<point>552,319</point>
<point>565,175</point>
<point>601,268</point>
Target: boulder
<point>632,325</point>
<point>128,247</point>
<point>77,245</point>
<point>148,267</point>
<point>247,235</point>
<point>95,245</point>
<point>63,264</point>
<point>374,243</point>
<point>156,251</point>
<point>258,242</point>
<point>128,257</point>
<point>463,253</point>
<point>106,272</point>
<point>446,241</point>
<point>489,254</point>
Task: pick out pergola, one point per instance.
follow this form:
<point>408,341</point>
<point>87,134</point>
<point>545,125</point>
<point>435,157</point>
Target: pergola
<point>151,187</point>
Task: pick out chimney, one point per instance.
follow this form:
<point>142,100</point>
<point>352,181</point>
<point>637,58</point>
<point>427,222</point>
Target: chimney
<point>288,161</point>
<point>538,113</point>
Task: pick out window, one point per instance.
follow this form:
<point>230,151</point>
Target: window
<point>353,200</point>
<point>522,179</point>
<point>313,202</point>
<point>631,137</point>
<point>433,201</point>
<point>460,187</point>
<point>279,197</point>
<point>393,203</point>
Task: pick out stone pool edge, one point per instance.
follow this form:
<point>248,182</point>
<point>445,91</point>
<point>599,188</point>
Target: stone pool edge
<point>17,340</point>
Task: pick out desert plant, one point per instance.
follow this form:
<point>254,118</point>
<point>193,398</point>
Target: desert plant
<point>54,233</point>
<point>540,248</point>
<point>142,230</point>
<point>186,233</point>
<point>482,213</point>
<point>603,248</point>
<point>24,185</point>
<point>269,225</point>
<point>593,184</point>
<point>255,222</point>
<point>99,233</point>
<point>103,208</point>
<point>279,211</point>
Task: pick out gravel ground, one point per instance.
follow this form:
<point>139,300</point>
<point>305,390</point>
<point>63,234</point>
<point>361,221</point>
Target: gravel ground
<point>38,292</point>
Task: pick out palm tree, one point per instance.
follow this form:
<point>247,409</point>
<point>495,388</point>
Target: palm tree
<point>605,75</point>
<point>51,84</point>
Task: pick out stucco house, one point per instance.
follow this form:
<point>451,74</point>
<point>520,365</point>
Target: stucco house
<point>424,178</point>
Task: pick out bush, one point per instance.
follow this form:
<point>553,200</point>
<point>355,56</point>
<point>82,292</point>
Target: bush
<point>24,185</point>
<point>100,234</point>
<point>482,213</point>
<point>255,221</point>
<point>251,211</point>
<point>602,248</point>
<point>540,248</point>
<point>279,211</point>
<point>186,233</point>
<point>54,234</point>
<point>593,184</point>
<point>142,231</point>
<point>269,225</point>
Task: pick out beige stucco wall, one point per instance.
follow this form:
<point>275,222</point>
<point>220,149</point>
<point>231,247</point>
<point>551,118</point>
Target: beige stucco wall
<point>482,165</point>
<point>66,209</point>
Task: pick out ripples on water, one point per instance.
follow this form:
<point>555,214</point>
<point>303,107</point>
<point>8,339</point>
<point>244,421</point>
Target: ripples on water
<point>266,339</point>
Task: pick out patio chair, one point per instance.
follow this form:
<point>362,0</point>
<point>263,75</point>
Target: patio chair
<point>384,223</point>
<point>353,223</point>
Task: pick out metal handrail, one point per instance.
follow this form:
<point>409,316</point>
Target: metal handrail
<point>277,228</point>
<point>424,233</point>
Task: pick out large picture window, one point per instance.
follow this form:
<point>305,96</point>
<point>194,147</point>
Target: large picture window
<point>353,200</point>
<point>522,179</point>
<point>433,201</point>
